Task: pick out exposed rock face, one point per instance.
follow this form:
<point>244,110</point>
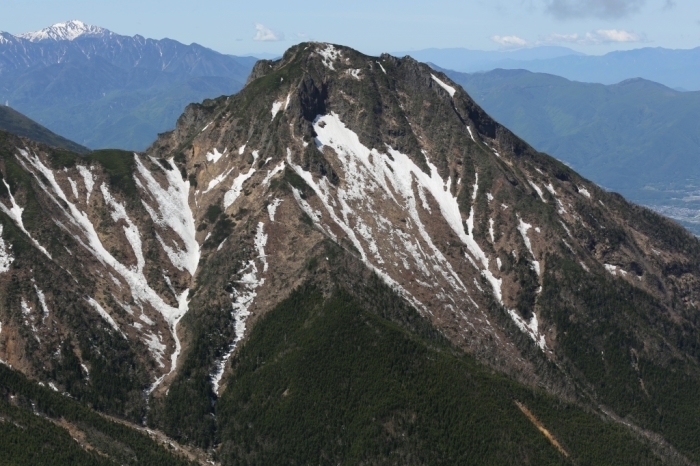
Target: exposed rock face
<point>179,251</point>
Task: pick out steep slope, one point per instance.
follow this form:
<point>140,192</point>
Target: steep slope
<point>342,201</point>
<point>107,90</point>
<point>636,137</point>
<point>14,122</point>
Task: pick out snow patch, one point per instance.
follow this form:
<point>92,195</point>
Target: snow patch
<point>74,187</point>
<point>614,269</point>
<point>213,183</point>
<point>173,211</point>
<point>131,231</point>
<point>523,228</point>
<point>450,90</point>
<point>6,257</point>
<point>272,173</point>
<point>88,180</point>
<point>329,54</point>
<point>237,186</point>
<point>271,208</point>
<point>470,133</point>
<point>15,213</point>
<point>584,191</point>
<point>355,73</point>
<point>531,328</point>
<point>242,300</point>
<point>42,302</point>
<point>108,318</point>
<point>215,155</point>
<point>276,106</point>
<point>538,189</point>
<point>156,347</point>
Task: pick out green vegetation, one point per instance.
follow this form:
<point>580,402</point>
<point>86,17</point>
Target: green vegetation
<point>120,168</point>
<point>326,381</point>
<point>605,329</point>
<point>27,435</point>
<point>118,164</point>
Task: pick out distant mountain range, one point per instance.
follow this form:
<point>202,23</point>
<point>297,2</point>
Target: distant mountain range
<point>636,137</point>
<point>677,69</point>
<point>103,89</point>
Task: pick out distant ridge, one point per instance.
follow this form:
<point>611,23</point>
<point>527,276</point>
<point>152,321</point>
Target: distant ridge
<point>106,90</point>
<point>636,137</point>
<point>674,68</point>
<point>14,122</point>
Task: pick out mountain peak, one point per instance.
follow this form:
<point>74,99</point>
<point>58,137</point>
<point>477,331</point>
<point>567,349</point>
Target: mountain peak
<point>69,30</point>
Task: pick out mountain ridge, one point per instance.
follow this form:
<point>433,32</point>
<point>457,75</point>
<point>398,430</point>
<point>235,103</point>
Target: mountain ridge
<point>14,122</point>
<point>132,87</point>
<point>339,191</point>
<point>674,68</point>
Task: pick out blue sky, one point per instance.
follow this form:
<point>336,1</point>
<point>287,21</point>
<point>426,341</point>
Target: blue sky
<point>239,27</point>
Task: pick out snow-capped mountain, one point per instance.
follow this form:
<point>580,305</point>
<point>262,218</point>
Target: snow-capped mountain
<point>349,256</point>
<point>69,30</point>
<point>100,88</point>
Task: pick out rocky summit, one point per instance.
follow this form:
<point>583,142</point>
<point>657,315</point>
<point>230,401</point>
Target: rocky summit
<point>350,262</point>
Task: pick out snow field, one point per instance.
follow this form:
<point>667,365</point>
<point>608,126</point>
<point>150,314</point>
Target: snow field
<point>172,211</point>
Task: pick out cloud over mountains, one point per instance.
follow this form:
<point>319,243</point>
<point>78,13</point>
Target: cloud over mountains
<point>265,34</point>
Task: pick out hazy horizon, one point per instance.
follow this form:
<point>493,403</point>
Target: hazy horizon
<point>593,27</point>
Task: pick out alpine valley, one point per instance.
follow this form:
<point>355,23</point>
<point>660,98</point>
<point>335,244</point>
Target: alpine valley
<point>347,262</point>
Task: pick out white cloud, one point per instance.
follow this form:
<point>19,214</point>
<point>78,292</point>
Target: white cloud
<point>615,35</point>
<point>265,34</point>
<point>556,37</point>
<point>597,37</point>
<point>509,41</point>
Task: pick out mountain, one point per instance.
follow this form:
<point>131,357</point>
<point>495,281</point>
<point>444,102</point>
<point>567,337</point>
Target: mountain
<point>636,137</point>
<point>675,68</point>
<point>16,123</point>
<point>349,261</point>
<point>107,90</point>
